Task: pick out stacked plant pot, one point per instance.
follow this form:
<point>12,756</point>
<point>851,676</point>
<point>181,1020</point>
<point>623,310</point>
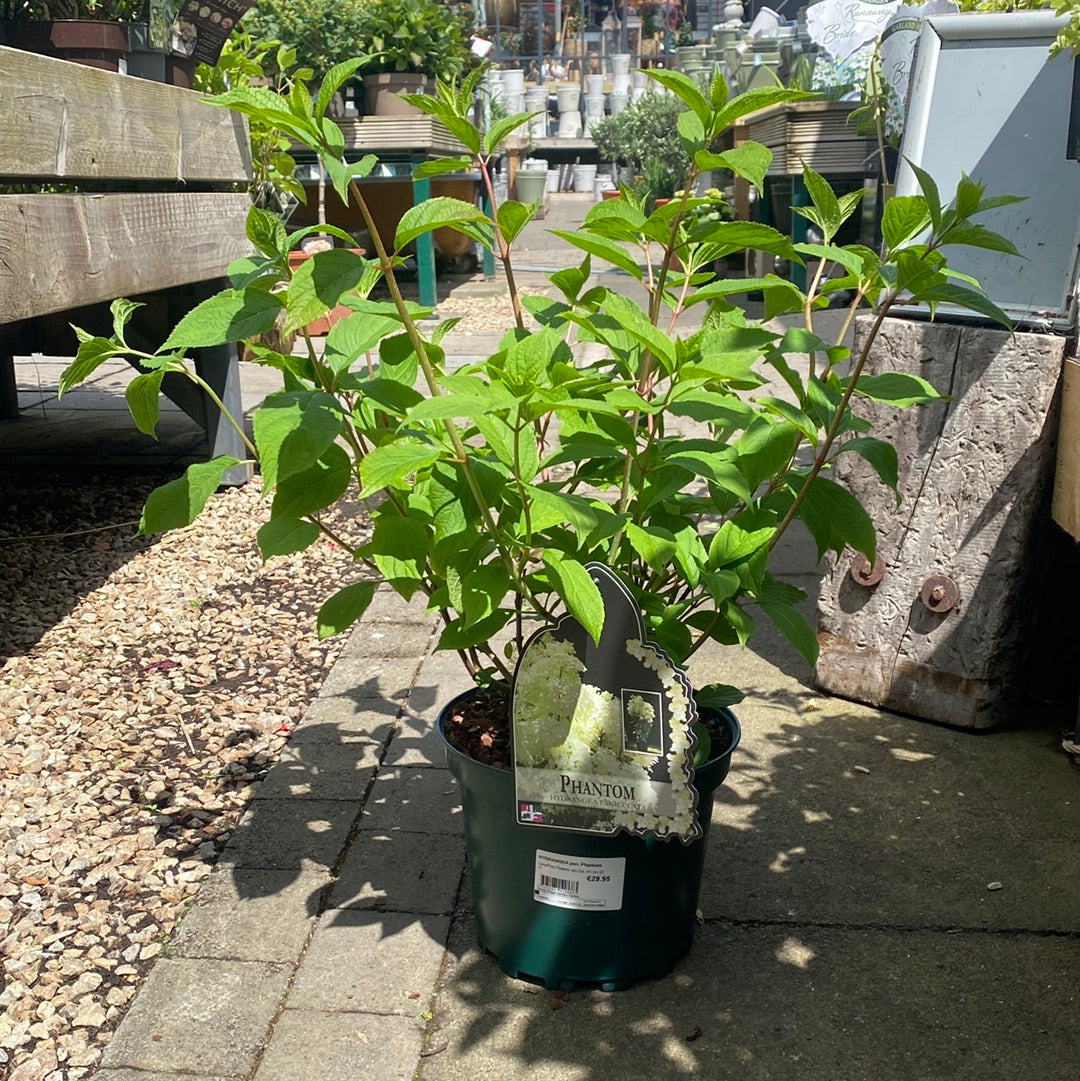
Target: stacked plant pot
<point>569,100</point>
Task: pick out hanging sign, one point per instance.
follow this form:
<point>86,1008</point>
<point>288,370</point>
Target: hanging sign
<point>202,26</point>
<point>603,732</point>
<point>898,41</point>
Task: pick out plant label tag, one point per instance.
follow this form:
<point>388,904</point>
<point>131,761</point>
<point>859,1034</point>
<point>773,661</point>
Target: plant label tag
<point>594,885</point>
<point>603,731</point>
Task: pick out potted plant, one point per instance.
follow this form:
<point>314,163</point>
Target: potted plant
<point>410,42</point>
<point>571,35</point>
<point>319,33</point>
<point>507,492</point>
<point>644,141</point>
<point>89,32</point>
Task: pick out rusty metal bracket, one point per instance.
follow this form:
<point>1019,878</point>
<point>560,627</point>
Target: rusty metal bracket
<point>865,574</point>
<point>940,593</point>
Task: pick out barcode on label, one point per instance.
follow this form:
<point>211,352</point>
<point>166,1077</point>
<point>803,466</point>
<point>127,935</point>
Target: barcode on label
<point>566,885</point>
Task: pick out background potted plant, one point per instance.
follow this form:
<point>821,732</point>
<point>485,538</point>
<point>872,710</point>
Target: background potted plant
<point>409,43</point>
<point>89,32</point>
<point>644,141</point>
<point>663,457</point>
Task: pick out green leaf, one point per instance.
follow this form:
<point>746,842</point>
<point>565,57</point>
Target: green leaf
<point>733,236</point>
<point>333,80</point>
<point>792,414</point>
<point>750,160</point>
<point>178,503</point>
<point>513,217</point>
<point>656,546</point>
<point>634,321</point>
<point>686,90</point>
<point>576,590</point>
<point>463,633</point>
<point>390,465</point>
<point>978,236</point>
<point>283,536</point>
<point>715,466</point>
<point>92,353</point>
<point>344,608</point>
<point>314,488</point>
<point>229,316</point>
<point>440,212</point>
<point>355,335</point>
<point>441,166</point>
<point>961,297</point>
<point>758,97</point>
<point>904,218</point>
<point>717,696</point>
<point>122,310</point>
<point>602,248</point>
<point>691,132</point>
<point>849,260</point>
<point>319,284</point>
<point>731,544</point>
<point>400,548</point>
<point>897,388</point>
<point>791,623</point>
<point>930,193</point>
<point>528,358</point>
<point>835,518</point>
<point>503,128</point>
<point>143,401</point>
<point>878,454</point>
<point>825,201</point>
<point>763,449</point>
<point>266,232</point>
<point>293,429</point>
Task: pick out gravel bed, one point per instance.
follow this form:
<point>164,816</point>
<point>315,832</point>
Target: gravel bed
<point>146,685</point>
<point>486,313</point>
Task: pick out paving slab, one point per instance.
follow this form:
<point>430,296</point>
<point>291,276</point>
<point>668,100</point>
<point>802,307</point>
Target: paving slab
<point>414,799</point>
<point>768,1003</point>
<point>321,769</point>
<point>395,871</point>
<point>287,833</point>
<point>322,1046</point>
<point>252,914</point>
<point>199,1016</point>
<point>371,962</point>
<point>145,1075</point>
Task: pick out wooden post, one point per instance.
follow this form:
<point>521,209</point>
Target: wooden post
<point>425,245</point>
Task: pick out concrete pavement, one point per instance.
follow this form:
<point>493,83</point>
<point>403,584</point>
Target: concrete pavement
<point>884,900</point>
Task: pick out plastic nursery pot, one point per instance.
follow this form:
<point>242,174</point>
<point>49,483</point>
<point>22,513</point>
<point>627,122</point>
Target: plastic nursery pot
<point>563,947</point>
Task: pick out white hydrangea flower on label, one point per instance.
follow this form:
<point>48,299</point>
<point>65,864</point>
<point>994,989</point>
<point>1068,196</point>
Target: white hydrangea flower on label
<point>602,730</point>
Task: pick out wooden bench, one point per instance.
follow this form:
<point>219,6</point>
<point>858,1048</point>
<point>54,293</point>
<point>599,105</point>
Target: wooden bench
<point>157,213</point>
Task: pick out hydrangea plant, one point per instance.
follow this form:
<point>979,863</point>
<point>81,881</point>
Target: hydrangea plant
<point>491,486</point>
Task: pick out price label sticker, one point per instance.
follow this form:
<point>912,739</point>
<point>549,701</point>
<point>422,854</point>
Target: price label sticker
<point>575,882</point>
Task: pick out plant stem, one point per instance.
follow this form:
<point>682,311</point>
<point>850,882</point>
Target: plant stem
<point>417,341</point>
<point>236,426</point>
<point>834,427</point>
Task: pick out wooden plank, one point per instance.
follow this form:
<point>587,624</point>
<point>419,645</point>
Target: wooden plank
<point>415,134</point>
<point>64,251</point>
<point>67,121</point>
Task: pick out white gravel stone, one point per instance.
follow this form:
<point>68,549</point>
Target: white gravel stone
<point>146,684</point>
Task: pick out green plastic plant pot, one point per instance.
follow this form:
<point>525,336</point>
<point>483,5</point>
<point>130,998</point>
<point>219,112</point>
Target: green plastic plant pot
<point>563,947</point>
